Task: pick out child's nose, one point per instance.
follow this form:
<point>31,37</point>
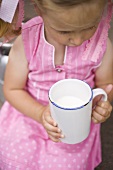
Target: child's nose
<point>76,40</point>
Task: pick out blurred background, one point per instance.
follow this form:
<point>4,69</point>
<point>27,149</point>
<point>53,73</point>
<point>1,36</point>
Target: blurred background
<point>107,127</point>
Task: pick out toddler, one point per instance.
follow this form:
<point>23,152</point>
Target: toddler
<point>68,39</point>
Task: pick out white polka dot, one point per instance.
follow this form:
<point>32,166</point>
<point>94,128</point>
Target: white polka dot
<point>59,165</point>
<point>83,160</point>
<point>50,166</point>
<point>5,134</point>
<point>54,160</point>
<point>78,166</point>
<point>42,167</point>
<point>25,137</point>
<point>70,154</point>
<point>83,150</point>
<point>69,166</point>
<point>73,150</point>
<point>90,139</point>
<point>87,156</point>
<point>18,141</point>
<point>84,166</point>
<point>68,147</point>
<point>43,143</point>
<point>74,160</point>
<point>78,147</point>
<point>79,155</point>
<point>23,127</point>
<point>18,166</point>
<point>33,142</point>
<point>35,148</point>
<point>29,150</point>
<point>5,122</point>
<point>20,147</point>
<point>46,160</point>
<point>24,132</point>
<point>9,167</point>
<point>8,154</point>
<point>64,159</point>
<point>17,130</point>
<point>56,151</point>
<point>25,160</point>
<point>13,150</point>
<point>12,144</point>
<point>33,163</point>
<point>39,161</point>
<point>7,148</point>
<point>16,157</point>
<point>93,134</point>
<point>86,145</point>
<point>31,156</point>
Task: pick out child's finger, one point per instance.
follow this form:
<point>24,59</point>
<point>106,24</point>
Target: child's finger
<point>101,111</point>
<point>94,120</point>
<point>55,135</point>
<point>105,105</point>
<point>50,127</point>
<point>98,118</point>
<point>54,139</point>
<point>47,117</point>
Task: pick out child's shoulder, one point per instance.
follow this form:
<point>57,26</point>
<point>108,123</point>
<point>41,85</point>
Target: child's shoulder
<point>34,22</point>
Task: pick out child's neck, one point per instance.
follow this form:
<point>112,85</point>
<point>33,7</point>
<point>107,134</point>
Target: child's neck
<point>59,51</point>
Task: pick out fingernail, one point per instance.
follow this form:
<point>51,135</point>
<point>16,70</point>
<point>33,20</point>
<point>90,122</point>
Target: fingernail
<point>95,121</point>
<point>59,130</point>
<point>55,124</point>
<point>62,136</point>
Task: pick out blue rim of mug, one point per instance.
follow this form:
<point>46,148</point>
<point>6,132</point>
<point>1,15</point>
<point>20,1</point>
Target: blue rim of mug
<point>74,108</point>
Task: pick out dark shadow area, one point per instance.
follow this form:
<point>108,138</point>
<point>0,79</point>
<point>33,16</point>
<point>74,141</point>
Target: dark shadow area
<point>107,145</point>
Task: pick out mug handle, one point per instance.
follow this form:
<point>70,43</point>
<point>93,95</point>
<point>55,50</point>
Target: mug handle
<point>99,91</point>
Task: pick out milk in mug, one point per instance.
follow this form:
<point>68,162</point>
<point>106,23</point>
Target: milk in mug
<point>69,102</point>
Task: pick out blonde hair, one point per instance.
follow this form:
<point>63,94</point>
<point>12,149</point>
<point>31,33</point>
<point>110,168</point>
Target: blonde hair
<point>43,5</point>
<point>64,3</point>
<point>7,29</point>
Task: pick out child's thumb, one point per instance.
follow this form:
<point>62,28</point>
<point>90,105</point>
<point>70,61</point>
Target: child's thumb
<point>108,88</point>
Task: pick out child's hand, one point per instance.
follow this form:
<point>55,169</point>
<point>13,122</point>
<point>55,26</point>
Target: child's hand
<point>51,127</point>
<point>103,109</point>
<point>101,112</point>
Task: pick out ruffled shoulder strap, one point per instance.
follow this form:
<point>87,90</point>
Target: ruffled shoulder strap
<point>31,35</point>
<point>96,46</point>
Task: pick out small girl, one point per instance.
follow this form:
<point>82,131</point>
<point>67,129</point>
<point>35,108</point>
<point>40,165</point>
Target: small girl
<point>11,17</point>
<point>69,39</point>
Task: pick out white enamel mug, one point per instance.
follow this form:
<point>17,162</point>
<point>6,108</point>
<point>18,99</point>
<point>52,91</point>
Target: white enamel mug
<point>71,107</point>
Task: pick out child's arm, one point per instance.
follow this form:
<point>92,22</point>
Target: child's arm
<point>14,84</point>
<point>104,79</point>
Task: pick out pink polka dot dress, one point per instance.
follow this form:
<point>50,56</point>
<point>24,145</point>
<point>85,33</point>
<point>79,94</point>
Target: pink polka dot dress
<point>24,143</point>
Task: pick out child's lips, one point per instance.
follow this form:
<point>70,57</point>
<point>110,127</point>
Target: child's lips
<point>72,45</point>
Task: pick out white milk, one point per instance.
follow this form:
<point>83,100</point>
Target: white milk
<point>69,102</point>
